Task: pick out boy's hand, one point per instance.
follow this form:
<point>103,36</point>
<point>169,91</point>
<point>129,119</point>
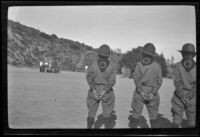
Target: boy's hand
<point>98,95</point>
<point>147,97</point>
<point>185,101</point>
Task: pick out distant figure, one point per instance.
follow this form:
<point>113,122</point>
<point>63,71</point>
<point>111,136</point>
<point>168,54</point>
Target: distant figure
<point>123,72</point>
<point>86,69</point>
<point>45,65</point>
<point>50,64</point>
<point>41,66</point>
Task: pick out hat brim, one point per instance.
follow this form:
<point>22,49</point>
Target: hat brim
<point>188,52</point>
<point>148,53</point>
<point>104,55</point>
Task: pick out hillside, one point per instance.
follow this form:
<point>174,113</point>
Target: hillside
<point>27,46</point>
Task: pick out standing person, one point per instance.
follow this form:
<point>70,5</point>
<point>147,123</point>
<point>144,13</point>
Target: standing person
<point>46,64</point>
<point>86,69</point>
<point>123,71</point>
<point>184,98</point>
<point>101,77</point>
<point>41,66</point>
<point>148,80</point>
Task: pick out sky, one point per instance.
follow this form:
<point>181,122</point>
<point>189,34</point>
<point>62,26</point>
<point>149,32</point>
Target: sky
<point>124,27</point>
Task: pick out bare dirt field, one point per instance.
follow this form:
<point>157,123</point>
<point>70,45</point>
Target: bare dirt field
<point>48,100</point>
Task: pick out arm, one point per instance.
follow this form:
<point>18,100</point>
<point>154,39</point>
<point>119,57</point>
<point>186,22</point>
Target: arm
<point>178,83</point>
<point>90,80</point>
<point>137,76</point>
<point>111,81</point>
<point>192,92</point>
<point>158,80</point>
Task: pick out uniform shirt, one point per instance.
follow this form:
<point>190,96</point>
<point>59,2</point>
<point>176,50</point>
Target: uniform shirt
<point>148,78</point>
<point>184,81</point>
<point>95,76</point>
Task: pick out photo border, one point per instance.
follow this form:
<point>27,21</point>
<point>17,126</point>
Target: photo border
<point>126,131</point>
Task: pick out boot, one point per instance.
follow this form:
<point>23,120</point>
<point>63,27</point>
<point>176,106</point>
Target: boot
<point>134,122</point>
<point>90,122</point>
<point>174,125</point>
<point>154,123</point>
<point>107,122</point>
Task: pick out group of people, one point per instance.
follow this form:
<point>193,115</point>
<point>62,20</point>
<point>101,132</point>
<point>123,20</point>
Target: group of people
<point>101,78</point>
<point>45,65</point>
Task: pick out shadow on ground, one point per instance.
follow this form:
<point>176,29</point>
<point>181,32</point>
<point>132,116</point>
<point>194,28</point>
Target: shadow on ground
<point>142,124</point>
<point>162,122</point>
<point>101,121</point>
<point>184,123</point>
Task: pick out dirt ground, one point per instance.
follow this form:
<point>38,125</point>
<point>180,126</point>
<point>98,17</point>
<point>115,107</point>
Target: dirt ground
<point>48,100</point>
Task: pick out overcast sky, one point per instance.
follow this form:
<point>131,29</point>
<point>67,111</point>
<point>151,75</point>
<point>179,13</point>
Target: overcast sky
<point>124,27</point>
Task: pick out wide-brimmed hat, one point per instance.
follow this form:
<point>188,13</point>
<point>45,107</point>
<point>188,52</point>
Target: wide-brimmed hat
<point>188,48</point>
<point>149,49</point>
<point>104,50</point>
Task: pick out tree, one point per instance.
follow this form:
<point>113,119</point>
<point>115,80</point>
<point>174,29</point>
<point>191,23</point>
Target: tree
<point>161,60</point>
<point>172,60</point>
<point>130,59</point>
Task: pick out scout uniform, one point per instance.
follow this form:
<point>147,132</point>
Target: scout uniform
<point>101,78</point>
<point>184,98</point>
<point>148,80</point>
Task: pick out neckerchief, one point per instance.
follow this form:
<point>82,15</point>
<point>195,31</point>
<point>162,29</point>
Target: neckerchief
<point>103,64</point>
<point>188,64</point>
<point>146,59</point>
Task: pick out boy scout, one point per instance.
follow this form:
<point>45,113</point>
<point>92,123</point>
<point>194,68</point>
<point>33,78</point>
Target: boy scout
<point>148,79</point>
<point>184,98</point>
<point>101,78</point>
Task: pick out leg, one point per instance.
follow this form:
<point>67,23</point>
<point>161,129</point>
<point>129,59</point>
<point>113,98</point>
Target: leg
<point>137,105</point>
<point>191,113</point>
<point>152,109</point>
<point>108,103</point>
<point>177,112</point>
<point>92,105</point>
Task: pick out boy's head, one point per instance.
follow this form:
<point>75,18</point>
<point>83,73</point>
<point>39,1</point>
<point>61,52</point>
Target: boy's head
<point>149,50</point>
<point>104,51</point>
<point>188,51</point>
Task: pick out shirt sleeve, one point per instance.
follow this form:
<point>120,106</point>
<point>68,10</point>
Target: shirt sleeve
<point>90,79</point>
<point>178,83</point>
<point>137,77</point>
<point>158,80</point>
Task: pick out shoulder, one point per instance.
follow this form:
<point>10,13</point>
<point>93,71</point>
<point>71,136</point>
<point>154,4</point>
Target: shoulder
<point>155,63</point>
<point>91,54</point>
<point>90,57</point>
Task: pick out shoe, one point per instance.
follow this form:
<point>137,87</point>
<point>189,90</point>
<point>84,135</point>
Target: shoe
<point>107,122</point>
<point>174,125</point>
<point>134,122</point>
<point>154,123</point>
<point>90,122</point>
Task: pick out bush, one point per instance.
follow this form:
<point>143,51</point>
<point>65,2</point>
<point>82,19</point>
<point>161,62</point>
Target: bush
<point>46,36</point>
<point>74,47</point>
<point>54,36</point>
